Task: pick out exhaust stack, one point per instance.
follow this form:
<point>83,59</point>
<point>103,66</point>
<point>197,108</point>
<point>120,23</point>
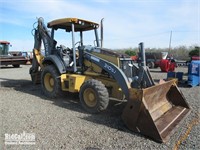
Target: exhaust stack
<point>102,32</point>
<point>142,54</point>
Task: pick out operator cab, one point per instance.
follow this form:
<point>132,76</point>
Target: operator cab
<point>4,47</point>
<point>73,25</point>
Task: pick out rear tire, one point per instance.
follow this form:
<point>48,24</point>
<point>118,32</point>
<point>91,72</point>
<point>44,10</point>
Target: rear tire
<point>51,84</point>
<point>150,64</point>
<point>94,96</point>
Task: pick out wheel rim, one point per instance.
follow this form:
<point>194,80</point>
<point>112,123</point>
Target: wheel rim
<point>48,82</point>
<point>149,65</point>
<point>89,97</point>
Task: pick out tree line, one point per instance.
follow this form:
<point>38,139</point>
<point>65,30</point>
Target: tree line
<point>180,53</point>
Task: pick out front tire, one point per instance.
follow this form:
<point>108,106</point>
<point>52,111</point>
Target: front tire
<point>94,96</point>
<point>51,84</point>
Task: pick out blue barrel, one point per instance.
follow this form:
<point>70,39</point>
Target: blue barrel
<point>194,73</point>
<point>171,74</point>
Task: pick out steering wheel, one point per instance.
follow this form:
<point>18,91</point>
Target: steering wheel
<point>79,42</point>
<point>63,49</point>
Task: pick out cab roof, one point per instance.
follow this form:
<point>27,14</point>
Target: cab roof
<point>79,24</point>
<point>4,42</point>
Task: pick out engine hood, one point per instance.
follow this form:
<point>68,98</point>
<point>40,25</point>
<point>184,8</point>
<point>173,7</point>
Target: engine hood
<point>106,51</point>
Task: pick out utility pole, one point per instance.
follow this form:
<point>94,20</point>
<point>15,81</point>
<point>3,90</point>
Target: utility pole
<point>170,41</point>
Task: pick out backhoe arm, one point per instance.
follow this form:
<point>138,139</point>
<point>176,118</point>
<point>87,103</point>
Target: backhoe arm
<point>41,35</point>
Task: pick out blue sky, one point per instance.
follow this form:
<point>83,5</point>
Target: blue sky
<point>126,22</point>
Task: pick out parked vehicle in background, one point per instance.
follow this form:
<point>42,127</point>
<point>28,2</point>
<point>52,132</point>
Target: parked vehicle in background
<point>15,53</point>
<point>10,58</point>
<point>153,58</point>
<point>167,65</point>
<point>28,56</point>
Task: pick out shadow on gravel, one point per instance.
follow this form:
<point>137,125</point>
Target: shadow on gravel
<point>66,100</point>
<point>110,118</point>
<point>9,67</point>
<point>183,84</point>
<point>24,86</point>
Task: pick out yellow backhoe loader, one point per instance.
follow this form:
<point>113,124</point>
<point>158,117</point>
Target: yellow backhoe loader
<point>99,74</point>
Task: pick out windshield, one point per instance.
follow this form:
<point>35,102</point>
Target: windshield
<point>4,49</point>
<point>65,38</point>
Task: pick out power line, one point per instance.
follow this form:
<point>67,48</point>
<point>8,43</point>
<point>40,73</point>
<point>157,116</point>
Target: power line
<point>150,35</point>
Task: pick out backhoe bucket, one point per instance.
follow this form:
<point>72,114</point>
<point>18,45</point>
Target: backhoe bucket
<point>156,111</point>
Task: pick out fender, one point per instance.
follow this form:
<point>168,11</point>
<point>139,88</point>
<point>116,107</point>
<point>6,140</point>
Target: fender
<point>113,70</point>
<point>54,59</point>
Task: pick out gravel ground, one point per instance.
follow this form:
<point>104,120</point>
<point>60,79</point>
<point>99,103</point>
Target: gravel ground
<point>63,124</point>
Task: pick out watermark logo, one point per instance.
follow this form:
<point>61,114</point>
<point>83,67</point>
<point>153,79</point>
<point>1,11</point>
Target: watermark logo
<point>20,139</point>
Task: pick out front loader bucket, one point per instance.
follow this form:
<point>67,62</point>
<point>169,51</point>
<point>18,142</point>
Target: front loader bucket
<point>156,111</point>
